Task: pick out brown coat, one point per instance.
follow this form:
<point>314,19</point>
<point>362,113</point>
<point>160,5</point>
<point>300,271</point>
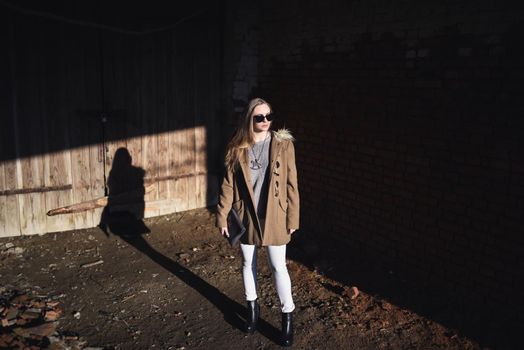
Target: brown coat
<point>283,199</point>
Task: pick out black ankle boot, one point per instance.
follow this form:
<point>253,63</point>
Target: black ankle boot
<point>253,313</point>
<point>287,329</point>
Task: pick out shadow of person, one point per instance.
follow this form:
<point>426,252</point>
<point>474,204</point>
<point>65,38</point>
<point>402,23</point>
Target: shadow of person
<point>123,217</point>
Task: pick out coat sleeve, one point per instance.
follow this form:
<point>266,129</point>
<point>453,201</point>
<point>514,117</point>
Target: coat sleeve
<point>293,207</point>
<point>225,200</point>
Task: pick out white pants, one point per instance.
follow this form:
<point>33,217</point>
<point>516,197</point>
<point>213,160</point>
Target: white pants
<point>277,261</point>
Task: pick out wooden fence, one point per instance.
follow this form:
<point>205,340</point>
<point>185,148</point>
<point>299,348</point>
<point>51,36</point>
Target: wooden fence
<point>74,95</point>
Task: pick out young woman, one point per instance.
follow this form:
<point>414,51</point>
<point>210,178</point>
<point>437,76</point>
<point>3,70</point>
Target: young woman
<point>261,184</point>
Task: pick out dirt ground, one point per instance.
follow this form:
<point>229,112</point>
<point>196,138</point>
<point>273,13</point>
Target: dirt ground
<point>179,287</point>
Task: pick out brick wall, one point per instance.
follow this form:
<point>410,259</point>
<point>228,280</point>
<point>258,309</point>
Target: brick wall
<point>408,119</point>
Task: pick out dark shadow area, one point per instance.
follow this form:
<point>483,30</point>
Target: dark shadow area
<point>123,217</point>
<point>87,69</point>
<point>410,168</point>
<point>460,312</point>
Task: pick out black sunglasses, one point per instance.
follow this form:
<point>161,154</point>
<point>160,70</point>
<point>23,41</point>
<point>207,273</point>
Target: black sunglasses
<point>259,118</point>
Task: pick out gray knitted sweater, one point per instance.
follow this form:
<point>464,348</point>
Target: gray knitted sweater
<point>258,165</point>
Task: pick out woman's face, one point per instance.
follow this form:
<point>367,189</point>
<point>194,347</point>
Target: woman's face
<point>265,124</point>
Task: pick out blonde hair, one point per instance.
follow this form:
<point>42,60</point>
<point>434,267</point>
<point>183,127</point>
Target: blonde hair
<point>244,135</point>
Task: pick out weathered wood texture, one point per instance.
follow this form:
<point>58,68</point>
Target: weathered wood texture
<point>81,107</point>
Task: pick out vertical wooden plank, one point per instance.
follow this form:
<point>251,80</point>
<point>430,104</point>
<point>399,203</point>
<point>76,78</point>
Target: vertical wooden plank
<point>33,176</point>
<point>3,202</point>
<point>27,213</point>
<point>181,184</point>
<point>57,172</point>
<point>38,144</point>
<point>174,186</point>
<point>81,179</point>
<point>170,169</point>
<point>12,208</point>
<point>14,169</point>
<point>96,172</point>
<point>31,165</point>
<point>5,117</point>
<point>81,84</point>
<point>161,76</point>
<point>78,155</point>
<point>190,113</point>
<point>201,107</point>
<point>33,218</point>
<point>213,138</point>
<point>132,102</point>
<point>172,161</point>
<point>94,105</point>
<point>10,149</point>
<point>200,165</point>
<point>149,143</point>
<point>63,175</point>
<point>191,167</point>
<point>54,103</point>
<point>171,119</point>
<point>187,110</point>
<point>149,115</point>
<point>113,44</point>
<point>184,145</point>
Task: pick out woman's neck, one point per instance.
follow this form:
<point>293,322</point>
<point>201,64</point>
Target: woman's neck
<point>261,136</point>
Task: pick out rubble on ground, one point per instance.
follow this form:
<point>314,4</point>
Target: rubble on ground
<point>30,322</point>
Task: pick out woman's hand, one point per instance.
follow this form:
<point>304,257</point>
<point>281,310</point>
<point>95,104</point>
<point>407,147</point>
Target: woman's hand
<point>290,231</point>
<point>224,231</point>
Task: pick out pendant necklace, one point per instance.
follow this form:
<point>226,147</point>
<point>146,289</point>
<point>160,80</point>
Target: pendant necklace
<point>255,164</point>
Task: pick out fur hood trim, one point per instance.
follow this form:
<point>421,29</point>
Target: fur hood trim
<point>283,134</point>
